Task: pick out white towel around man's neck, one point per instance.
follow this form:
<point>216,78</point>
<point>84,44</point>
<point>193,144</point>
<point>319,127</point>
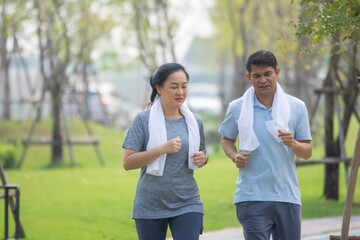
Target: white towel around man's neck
<point>280,114</point>
<point>157,136</point>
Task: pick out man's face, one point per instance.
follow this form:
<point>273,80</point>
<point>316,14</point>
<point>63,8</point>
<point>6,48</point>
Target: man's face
<point>263,79</point>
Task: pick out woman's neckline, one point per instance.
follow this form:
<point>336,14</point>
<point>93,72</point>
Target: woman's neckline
<point>174,119</point>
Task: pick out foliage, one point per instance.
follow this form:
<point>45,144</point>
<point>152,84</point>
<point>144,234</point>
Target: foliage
<point>155,27</point>
<point>66,25</point>
<point>320,19</point>
<point>7,155</point>
<point>87,38</point>
<point>263,22</point>
<point>13,21</point>
<point>244,26</point>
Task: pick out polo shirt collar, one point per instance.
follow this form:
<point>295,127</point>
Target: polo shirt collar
<point>257,103</point>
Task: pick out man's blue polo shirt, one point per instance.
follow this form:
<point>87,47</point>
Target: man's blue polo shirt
<point>270,174</point>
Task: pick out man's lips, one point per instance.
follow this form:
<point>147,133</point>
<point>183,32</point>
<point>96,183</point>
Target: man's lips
<point>179,99</point>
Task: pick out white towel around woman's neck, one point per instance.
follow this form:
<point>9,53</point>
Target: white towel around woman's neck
<point>158,136</point>
<point>280,114</point>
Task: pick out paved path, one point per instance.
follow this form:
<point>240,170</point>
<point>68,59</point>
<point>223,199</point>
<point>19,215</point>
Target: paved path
<point>314,229</point>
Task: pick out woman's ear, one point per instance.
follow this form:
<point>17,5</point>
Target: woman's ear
<point>158,89</point>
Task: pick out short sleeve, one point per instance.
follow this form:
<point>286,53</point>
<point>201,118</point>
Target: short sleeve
<point>135,136</point>
<point>229,127</point>
<point>302,130</point>
<point>201,131</point>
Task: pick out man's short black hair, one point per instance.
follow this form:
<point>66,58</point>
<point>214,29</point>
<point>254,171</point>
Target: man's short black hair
<point>261,58</point>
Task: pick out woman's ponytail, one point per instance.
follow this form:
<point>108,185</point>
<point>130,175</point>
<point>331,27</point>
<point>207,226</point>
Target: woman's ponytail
<point>153,95</point>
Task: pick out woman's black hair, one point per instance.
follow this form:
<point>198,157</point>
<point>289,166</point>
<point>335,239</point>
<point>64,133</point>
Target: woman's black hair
<point>161,74</point>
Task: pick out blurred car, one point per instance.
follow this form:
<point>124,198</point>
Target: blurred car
<point>204,98</point>
<point>106,108</point>
<point>86,105</point>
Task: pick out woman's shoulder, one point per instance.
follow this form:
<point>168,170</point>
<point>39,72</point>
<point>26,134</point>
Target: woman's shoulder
<point>143,114</point>
<point>141,117</point>
<point>197,117</point>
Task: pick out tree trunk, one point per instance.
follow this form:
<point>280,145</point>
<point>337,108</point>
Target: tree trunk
<point>238,89</point>
<point>301,87</point>
<point>331,189</point>
<point>352,92</point>
<point>239,29</point>
<point>56,149</point>
<point>222,82</point>
<point>87,113</point>
<point>169,33</point>
<point>242,68</point>
<point>4,64</point>
<point>6,93</point>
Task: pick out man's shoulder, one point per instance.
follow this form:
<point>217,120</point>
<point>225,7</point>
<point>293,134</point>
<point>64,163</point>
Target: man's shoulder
<point>294,100</point>
<point>236,103</point>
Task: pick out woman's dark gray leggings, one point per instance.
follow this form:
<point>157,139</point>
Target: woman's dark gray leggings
<point>187,226</point>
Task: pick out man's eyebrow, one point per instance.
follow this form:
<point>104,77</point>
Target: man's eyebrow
<point>257,74</point>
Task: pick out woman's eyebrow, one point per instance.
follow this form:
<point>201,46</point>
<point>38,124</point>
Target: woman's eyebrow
<point>174,83</point>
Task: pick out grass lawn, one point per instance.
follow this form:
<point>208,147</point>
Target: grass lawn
<point>94,202</point>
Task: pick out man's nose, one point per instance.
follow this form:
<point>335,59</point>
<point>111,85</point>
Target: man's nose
<point>263,79</point>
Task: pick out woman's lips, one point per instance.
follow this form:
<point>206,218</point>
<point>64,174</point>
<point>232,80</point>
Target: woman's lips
<point>179,99</point>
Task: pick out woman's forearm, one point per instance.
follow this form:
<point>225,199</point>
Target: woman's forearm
<point>135,160</point>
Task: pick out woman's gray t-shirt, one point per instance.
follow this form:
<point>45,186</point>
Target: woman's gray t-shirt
<point>176,192</point>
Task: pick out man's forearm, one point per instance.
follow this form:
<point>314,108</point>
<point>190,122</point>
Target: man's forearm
<point>229,147</point>
<point>303,149</point>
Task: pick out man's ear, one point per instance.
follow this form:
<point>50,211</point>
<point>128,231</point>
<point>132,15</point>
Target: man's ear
<point>277,71</point>
<point>248,76</point>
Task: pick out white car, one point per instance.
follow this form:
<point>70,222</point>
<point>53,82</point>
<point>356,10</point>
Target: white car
<point>204,98</point>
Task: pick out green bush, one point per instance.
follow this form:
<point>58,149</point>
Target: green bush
<point>7,155</point>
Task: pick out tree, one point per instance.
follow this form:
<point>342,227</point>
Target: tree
<point>85,41</point>
<point>337,23</point>
<point>329,18</point>
<point>11,19</point>
<point>154,31</point>
<point>246,26</point>
<point>54,50</point>
<point>62,35</point>
<point>5,61</point>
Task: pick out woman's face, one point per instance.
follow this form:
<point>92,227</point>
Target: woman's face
<point>174,90</point>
